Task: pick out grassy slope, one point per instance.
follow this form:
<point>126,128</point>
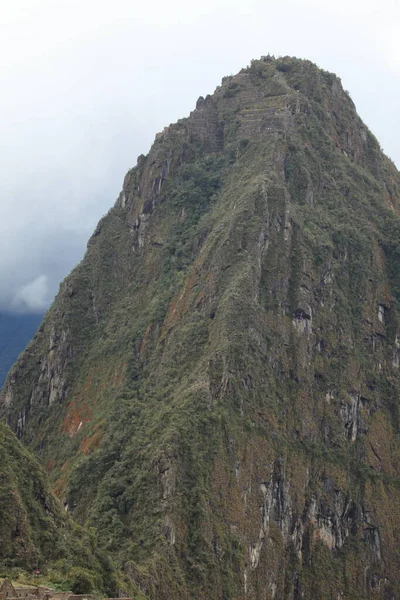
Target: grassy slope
<point>36,533</point>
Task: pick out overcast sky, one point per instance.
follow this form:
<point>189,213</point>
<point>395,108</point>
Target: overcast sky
<point>86,85</point>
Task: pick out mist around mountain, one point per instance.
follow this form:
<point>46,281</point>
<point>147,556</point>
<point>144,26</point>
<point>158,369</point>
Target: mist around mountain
<point>214,393</point>
<point>16,331</point>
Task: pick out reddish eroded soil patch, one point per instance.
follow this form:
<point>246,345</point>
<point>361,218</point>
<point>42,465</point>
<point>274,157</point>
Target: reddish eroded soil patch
<point>77,415</point>
<point>180,305</point>
<point>80,409</point>
<point>91,442</point>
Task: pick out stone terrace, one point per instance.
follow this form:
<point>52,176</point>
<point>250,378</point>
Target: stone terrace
<point>8,591</point>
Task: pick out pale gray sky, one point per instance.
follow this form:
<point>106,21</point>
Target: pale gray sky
<point>86,84</point>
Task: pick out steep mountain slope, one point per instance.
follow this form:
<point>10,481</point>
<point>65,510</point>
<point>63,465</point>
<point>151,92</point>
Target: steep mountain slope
<point>215,388</point>
<point>24,501</point>
<point>15,332</point>
<point>34,530</point>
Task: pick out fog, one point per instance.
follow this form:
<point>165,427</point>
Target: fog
<point>87,85</point>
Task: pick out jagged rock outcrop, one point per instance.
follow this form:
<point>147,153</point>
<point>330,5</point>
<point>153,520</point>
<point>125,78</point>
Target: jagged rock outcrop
<point>215,388</point>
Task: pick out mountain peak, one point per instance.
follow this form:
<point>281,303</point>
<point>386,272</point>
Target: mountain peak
<point>214,389</point>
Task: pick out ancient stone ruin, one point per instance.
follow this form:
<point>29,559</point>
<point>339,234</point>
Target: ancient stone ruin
<point>8,591</point>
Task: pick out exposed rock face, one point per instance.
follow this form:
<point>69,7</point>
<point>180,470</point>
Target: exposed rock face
<point>215,388</point>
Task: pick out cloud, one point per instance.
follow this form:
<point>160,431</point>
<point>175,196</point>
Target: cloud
<point>390,40</point>
<point>33,297</point>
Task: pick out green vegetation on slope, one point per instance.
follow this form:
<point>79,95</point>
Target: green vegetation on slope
<point>35,532</point>
<point>217,395</point>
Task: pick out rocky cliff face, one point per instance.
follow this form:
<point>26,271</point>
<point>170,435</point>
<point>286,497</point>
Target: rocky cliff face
<point>215,388</point>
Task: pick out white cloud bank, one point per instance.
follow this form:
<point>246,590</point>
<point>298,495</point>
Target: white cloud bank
<point>33,297</point>
<point>86,85</point>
